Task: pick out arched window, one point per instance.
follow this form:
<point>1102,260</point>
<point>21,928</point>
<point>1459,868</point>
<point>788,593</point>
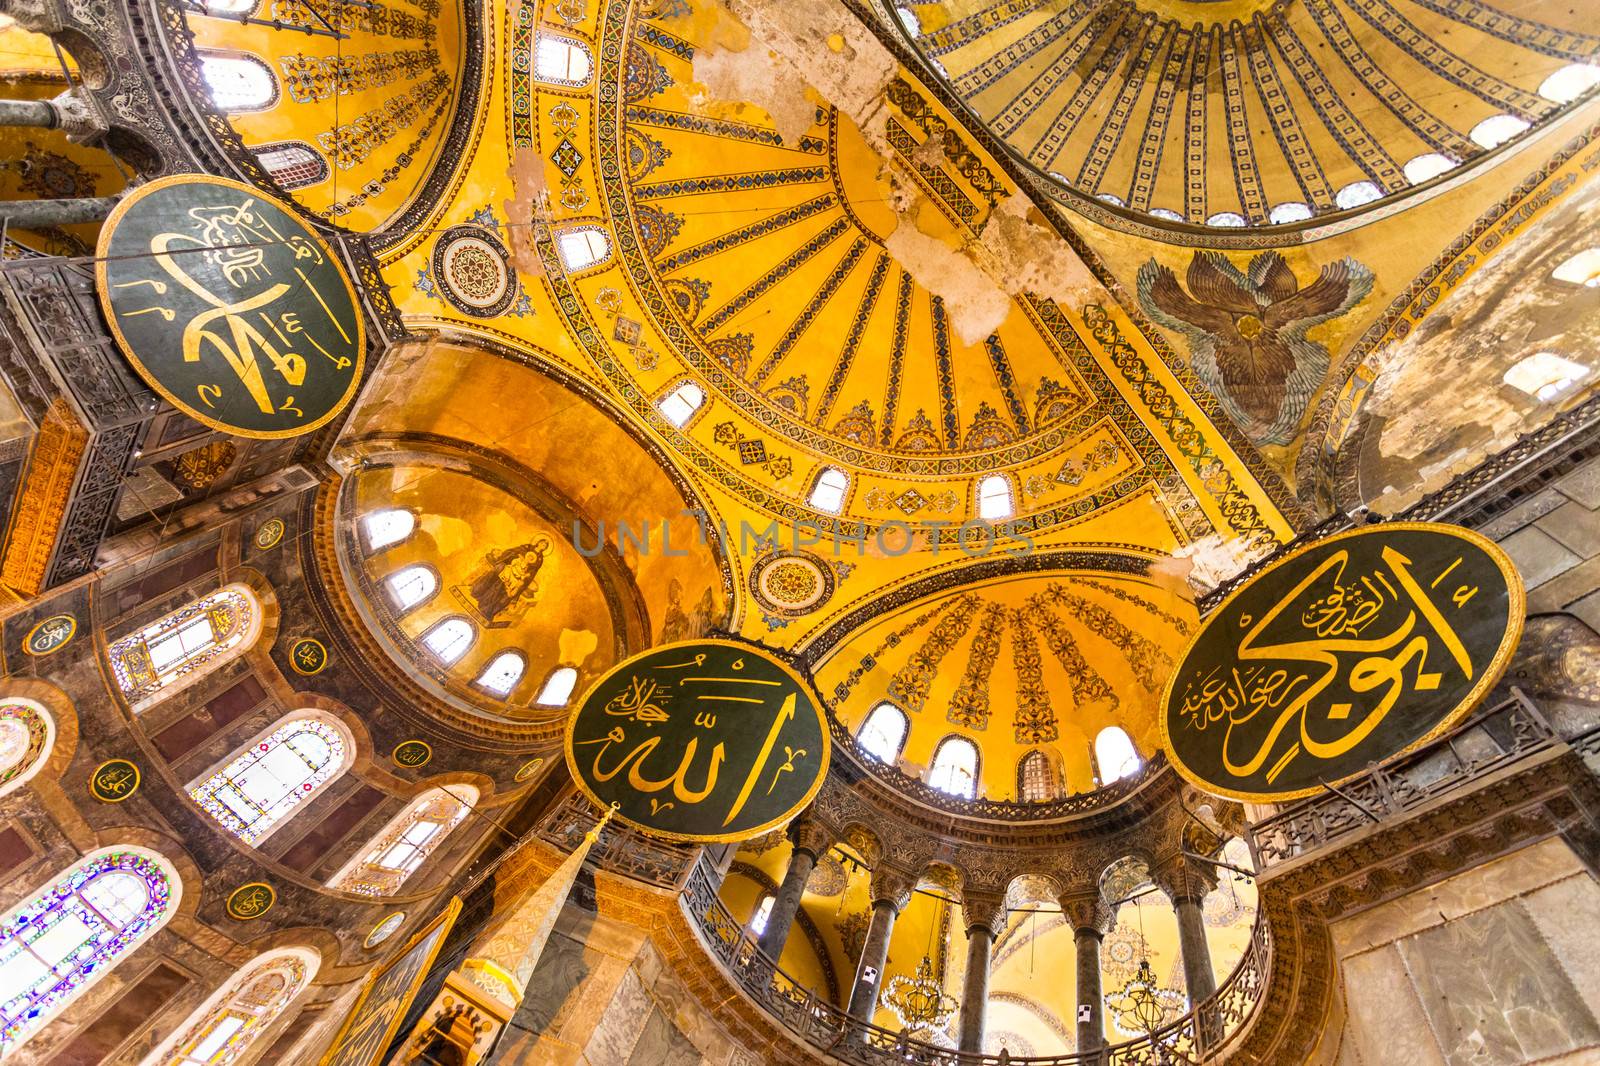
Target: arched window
<point>412,586</point>
<point>1428,165</point>
<point>558,687</point>
<point>1166,213</point>
<point>827,494</point>
<point>679,405</point>
<point>1293,211</point>
<point>763,915</point>
<point>384,529</point>
<point>449,639</point>
<point>292,164</point>
<point>1227,220</point>
<point>1356,194</point>
<point>406,842</point>
<point>187,644</point>
<point>1569,83</point>
<point>1581,269</point>
<point>883,734</point>
<point>1115,754</point>
<point>1497,130</point>
<point>955,767</point>
<point>238,82</point>
<point>60,941</point>
<point>582,247</point>
<point>994,498</point>
<point>1545,376</point>
<point>227,1025</point>
<point>265,781</point>
<point>502,673</point>
<point>561,60</point>
<point>1035,782</point>
<point>27,733</point>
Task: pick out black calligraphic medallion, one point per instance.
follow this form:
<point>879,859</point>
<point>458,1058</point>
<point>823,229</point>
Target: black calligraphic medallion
<point>411,753</point>
<point>1344,653</point>
<point>308,656</point>
<point>702,741</point>
<point>269,534</point>
<point>249,902</point>
<point>230,306</point>
<point>114,781</point>
<point>52,634</point>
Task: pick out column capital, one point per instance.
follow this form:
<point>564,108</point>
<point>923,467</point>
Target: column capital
<point>1088,912</point>
<point>809,834</point>
<point>78,116</point>
<point>984,909</point>
<point>1183,879</point>
<point>892,886</point>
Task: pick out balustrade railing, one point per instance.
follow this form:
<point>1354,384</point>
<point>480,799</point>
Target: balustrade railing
<point>1486,741</point>
<point>1195,1038</point>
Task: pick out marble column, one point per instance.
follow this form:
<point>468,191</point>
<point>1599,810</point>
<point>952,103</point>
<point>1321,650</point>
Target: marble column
<point>891,891</point>
<point>1186,885</point>
<point>985,915</point>
<point>811,840</point>
<point>1090,917</point>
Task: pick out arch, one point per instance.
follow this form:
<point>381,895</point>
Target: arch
<point>292,164</point>
<point>1037,781</point>
<point>681,404</point>
<point>386,528</point>
<point>995,498</point>
<point>412,586</point>
<point>883,734</point>
<point>1581,269</point>
<point>254,790</point>
<point>828,490</point>
<point>405,843</point>
<point>181,647</point>
<point>560,60</point>
<point>1496,130</point>
<point>233,1019</point>
<point>238,81</point>
<point>582,247</point>
<point>502,673</point>
<point>61,940</point>
<point>557,688</point>
<point>1428,165</point>
<point>955,767</point>
<point>449,638</point>
<point>27,736</point>
<point>1545,376</point>
<point>1114,754</point>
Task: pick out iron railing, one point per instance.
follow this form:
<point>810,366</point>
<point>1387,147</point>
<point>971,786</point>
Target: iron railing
<point>1195,1038</point>
<point>1491,738</point>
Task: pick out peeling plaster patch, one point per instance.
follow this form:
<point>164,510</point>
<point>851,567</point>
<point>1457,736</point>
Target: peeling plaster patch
<point>530,200</point>
<point>759,76</point>
<point>1210,561</point>
<point>1033,257</point>
<point>576,645</point>
<point>975,302</point>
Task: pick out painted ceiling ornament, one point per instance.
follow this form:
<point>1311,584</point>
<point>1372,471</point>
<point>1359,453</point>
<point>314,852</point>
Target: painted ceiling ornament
<point>473,271</point>
<point>791,583</point>
<point>1247,331</point>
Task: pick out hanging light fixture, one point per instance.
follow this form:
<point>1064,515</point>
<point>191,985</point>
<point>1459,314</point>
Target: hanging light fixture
<point>1143,1006</point>
<point>920,1002</point>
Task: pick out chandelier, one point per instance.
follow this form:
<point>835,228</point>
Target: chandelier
<point>1143,1006</point>
<point>920,1002</point>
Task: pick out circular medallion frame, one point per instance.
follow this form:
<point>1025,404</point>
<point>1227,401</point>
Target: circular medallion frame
<point>268,534</point>
<point>383,929</point>
<point>250,901</point>
<point>528,769</point>
<point>412,754</point>
<point>308,656</point>
<point>791,583</point>
<point>473,273</point>
<point>53,640</point>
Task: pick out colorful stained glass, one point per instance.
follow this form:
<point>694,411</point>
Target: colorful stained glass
<point>264,783</point>
<point>224,1029</point>
<point>406,842</point>
<point>25,739</point>
<point>183,642</point>
<point>69,935</point>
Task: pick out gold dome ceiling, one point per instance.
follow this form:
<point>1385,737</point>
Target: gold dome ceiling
<point>1245,113</point>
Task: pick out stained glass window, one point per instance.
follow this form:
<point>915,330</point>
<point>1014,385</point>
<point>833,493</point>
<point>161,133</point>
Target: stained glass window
<point>239,82</point>
<point>828,492</point>
<point>503,673</point>
<point>1115,753</point>
<point>387,528</point>
<point>582,247</point>
<point>763,915</point>
<point>224,1028</point>
<point>68,936</point>
<point>449,639</point>
<point>292,164</point>
<point>955,767</point>
<point>263,783</point>
<point>186,644</point>
<point>406,842</point>
<point>679,405</point>
<point>412,586</point>
<point>994,498</point>
<point>561,60</point>
<point>883,734</point>
<point>27,734</point>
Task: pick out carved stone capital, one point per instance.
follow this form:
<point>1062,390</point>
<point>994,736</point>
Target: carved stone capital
<point>985,909</point>
<point>811,835</point>
<point>892,886</point>
<point>1183,880</point>
<point>78,117</point>
<point>35,16</point>
<point>1088,912</point>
